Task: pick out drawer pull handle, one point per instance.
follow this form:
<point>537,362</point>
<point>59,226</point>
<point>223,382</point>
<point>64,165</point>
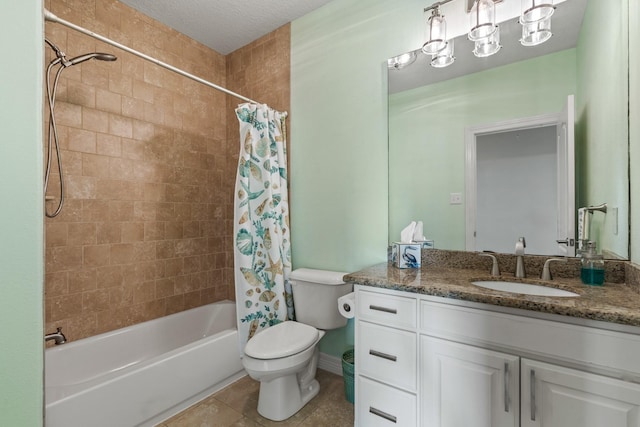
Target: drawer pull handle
<point>532,390</point>
<point>383,355</point>
<point>385,309</point>
<point>506,387</point>
<point>382,414</point>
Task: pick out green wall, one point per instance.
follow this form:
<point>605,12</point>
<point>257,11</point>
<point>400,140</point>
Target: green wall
<point>427,136</point>
<point>634,128</point>
<point>602,133</point>
<point>21,224</point>
<point>339,133</point>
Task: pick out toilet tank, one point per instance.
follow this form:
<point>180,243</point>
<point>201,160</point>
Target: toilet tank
<point>315,297</point>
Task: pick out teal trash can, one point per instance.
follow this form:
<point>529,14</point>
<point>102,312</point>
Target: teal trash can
<point>348,374</point>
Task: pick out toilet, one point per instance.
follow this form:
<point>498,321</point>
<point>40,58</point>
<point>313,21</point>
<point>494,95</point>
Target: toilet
<point>284,357</point>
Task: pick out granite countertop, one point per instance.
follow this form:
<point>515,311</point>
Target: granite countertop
<point>613,302</point>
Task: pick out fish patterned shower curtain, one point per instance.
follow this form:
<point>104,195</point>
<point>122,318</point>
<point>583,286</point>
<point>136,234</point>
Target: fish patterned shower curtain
<point>262,244</point>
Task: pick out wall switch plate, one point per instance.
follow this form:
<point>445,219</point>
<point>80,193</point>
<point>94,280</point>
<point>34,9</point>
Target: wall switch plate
<point>455,198</point>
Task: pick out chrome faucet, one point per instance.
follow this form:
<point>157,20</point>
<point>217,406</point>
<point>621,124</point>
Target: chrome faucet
<point>57,336</point>
<point>546,271</point>
<point>495,268</point>
<point>520,245</point>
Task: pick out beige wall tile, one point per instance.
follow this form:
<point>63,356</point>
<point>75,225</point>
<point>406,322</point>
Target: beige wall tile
<point>96,255</point>
<point>150,159</point>
<point>82,233</point>
<point>56,234</point>
<point>95,120</point>
<point>108,145</point>
<point>83,280</point>
<point>81,140</point>
<point>108,101</point>
<point>80,94</point>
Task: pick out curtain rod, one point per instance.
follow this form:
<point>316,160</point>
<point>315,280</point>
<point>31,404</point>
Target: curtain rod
<point>53,18</point>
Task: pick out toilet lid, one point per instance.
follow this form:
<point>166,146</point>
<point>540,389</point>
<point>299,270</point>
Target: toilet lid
<point>281,340</point>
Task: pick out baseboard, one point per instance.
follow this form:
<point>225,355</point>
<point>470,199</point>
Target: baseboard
<point>330,363</point>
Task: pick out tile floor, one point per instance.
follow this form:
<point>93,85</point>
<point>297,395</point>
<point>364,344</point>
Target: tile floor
<point>236,406</point>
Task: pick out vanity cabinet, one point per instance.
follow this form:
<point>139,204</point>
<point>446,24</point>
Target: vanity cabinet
<point>429,362</point>
<point>468,386</point>
<point>554,396</point>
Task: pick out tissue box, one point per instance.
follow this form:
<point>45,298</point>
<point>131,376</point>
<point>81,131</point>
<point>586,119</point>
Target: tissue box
<point>426,244</point>
<point>406,255</point>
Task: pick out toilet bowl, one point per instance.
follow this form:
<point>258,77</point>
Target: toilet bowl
<point>286,374</point>
<point>284,357</point>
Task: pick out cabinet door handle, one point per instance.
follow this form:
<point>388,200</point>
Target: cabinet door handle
<point>383,355</point>
<point>532,391</point>
<point>385,309</point>
<point>382,414</point>
<point>506,387</point>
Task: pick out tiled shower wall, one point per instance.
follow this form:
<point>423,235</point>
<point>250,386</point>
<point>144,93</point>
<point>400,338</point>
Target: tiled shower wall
<point>146,229</point>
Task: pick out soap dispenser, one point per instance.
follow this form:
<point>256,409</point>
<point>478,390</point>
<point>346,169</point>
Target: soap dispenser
<point>592,266</point>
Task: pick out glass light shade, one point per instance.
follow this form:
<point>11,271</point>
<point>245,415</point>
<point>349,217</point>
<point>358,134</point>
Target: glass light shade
<point>536,33</point>
<point>488,46</point>
<point>401,61</point>
<point>436,34</point>
<point>483,20</point>
<point>535,11</point>
<point>445,57</point>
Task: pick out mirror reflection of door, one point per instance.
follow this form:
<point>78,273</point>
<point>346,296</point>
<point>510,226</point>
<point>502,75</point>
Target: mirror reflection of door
<point>520,178</point>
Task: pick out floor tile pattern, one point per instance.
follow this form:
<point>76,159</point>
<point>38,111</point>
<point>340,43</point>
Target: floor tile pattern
<point>236,406</point>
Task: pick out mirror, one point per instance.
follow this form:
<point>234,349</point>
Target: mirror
<point>431,110</point>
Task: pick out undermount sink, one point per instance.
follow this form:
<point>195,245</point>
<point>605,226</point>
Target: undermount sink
<point>524,288</point>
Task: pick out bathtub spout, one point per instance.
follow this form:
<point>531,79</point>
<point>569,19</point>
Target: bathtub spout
<point>57,336</point>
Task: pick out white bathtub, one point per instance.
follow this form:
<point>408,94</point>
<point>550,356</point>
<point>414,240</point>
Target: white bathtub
<point>142,374</point>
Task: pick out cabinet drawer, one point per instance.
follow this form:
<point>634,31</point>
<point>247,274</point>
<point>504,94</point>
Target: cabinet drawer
<point>387,355</point>
<point>386,309</point>
<point>381,405</point>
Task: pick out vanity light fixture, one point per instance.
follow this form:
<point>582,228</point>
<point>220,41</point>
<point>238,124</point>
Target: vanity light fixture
<point>445,57</point>
<point>437,31</point>
<point>536,21</point>
<point>401,61</point>
<point>488,45</point>
<point>483,20</point>
<point>534,11</point>
<point>536,33</point>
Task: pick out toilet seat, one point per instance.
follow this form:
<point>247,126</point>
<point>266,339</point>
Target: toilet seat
<point>281,340</point>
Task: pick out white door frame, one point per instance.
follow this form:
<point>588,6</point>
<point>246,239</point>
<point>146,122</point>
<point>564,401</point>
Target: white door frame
<point>471,134</point>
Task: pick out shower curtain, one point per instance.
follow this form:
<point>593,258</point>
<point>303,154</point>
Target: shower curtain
<point>262,246</point>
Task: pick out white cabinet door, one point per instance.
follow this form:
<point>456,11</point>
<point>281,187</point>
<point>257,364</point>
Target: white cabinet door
<point>553,396</point>
<point>466,386</point>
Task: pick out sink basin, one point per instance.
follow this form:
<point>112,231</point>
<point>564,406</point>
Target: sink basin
<point>524,288</point>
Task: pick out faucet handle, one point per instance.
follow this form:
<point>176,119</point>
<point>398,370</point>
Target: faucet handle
<point>59,329</point>
<point>546,271</point>
<point>495,268</point>
<point>520,245</point>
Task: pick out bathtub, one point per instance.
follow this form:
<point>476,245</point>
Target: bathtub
<point>142,374</point>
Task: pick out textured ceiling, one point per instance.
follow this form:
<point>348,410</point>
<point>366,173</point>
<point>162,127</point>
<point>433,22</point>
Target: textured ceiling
<point>225,25</point>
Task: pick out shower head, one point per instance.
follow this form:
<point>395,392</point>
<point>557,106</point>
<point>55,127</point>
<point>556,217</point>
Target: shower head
<point>96,55</point>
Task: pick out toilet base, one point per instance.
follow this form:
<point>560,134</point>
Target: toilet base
<point>282,397</point>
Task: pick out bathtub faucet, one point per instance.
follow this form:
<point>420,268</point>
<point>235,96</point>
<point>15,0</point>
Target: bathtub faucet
<point>57,336</point>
